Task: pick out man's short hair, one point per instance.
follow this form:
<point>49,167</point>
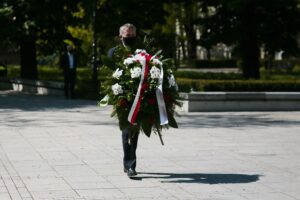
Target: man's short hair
<point>127,26</point>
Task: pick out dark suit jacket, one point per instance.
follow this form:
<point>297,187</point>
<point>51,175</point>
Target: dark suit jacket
<point>137,45</point>
<point>111,52</point>
<point>64,62</point>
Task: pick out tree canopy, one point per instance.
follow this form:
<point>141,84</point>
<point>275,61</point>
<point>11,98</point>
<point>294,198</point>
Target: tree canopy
<point>252,24</point>
<point>35,23</point>
<point>249,25</point>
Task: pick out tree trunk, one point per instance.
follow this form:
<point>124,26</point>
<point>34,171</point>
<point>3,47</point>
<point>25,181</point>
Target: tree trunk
<point>182,42</point>
<point>190,31</point>
<point>208,49</point>
<point>250,58</point>
<point>248,42</point>
<point>28,58</point>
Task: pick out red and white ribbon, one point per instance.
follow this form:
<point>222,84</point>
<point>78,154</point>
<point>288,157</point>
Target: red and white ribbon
<point>145,59</point>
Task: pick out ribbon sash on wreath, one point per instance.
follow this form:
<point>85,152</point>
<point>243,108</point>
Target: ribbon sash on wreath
<point>145,59</point>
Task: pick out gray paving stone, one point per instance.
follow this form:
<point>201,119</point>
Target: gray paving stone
<point>52,148</point>
<point>100,193</point>
<point>5,196</point>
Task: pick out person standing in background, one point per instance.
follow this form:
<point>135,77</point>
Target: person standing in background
<point>68,63</point>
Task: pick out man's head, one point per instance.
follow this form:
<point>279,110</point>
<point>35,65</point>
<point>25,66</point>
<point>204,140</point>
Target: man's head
<point>70,48</point>
<point>127,34</point>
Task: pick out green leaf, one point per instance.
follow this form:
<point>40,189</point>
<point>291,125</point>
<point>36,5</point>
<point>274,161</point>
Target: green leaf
<point>108,62</point>
<point>172,121</point>
<point>146,128</point>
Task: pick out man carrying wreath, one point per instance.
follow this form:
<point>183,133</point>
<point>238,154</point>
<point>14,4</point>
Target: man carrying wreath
<point>127,35</point>
<point>142,90</point>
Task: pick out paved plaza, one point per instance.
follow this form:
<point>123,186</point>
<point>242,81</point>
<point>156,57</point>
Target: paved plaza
<point>52,148</point>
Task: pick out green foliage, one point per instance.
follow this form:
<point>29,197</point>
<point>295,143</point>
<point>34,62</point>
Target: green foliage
<point>250,24</point>
<point>207,75</point>
<point>50,73</point>
<point>83,87</point>
<point>82,33</point>
<point>187,85</point>
<point>3,71</point>
<point>247,24</point>
<point>187,80</point>
<point>215,63</point>
<point>36,27</point>
<point>46,20</point>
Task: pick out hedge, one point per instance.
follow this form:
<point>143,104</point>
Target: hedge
<point>186,85</point>
<point>231,63</point>
<point>207,75</point>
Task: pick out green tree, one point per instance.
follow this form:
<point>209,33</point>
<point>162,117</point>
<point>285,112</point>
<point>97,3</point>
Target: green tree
<point>33,24</point>
<point>251,24</point>
<point>114,13</point>
<point>185,15</point>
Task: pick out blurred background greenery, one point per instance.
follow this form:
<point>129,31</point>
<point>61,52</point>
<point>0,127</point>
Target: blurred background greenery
<point>258,40</point>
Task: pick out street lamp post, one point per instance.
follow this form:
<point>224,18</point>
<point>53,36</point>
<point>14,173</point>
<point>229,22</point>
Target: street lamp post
<point>94,50</point>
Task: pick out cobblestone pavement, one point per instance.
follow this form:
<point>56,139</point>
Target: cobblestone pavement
<point>52,148</point>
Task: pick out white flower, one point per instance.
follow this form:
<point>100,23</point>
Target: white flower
<point>136,72</point>
<point>137,51</point>
<point>138,57</point>
<point>117,89</point>
<point>157,62</point>
<point>117,73</point>
<point>155,72</point>
<point>171,80</point>
<point>129,61</point>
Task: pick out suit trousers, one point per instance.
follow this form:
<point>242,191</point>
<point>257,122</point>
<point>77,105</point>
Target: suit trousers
<point>70,78</point>
<point>129,149</point>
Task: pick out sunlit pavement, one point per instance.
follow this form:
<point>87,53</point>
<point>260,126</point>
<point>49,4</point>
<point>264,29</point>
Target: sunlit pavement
<point>52,148</point>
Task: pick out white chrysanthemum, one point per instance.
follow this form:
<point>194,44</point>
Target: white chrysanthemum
<point>138,57</point>
<point>155,72</point>
<point>157,62</point>
<point>137,51</point>
<point>129,61</point>
<point>117,73</point>
<point>171,80</point>
<point>136,72</point>
<point>117,89</point>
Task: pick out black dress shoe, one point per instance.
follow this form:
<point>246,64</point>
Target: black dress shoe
<point>131,173</point>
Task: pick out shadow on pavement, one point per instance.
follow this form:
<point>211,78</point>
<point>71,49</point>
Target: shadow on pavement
<point>234,119</point>
<point>25,102</point>
<point>199,178</point>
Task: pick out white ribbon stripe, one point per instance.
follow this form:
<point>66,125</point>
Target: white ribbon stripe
<point>160,100</point>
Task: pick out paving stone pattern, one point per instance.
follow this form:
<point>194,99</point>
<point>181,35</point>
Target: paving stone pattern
<point>52,148</point>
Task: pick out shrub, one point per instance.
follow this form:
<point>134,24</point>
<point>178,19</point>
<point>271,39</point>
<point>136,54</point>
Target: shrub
<point>186,85</point>
<point>3,71</point>
<point>207,75</point>
<point>216,63</point>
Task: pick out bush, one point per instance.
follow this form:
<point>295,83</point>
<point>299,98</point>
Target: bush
<point>207,75</point>
<point>3,71</point>
<point>216,63</point>
<point>186,85</point>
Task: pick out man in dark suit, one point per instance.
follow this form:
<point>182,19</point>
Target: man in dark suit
<point>68,63</point>
<point>127,35</point>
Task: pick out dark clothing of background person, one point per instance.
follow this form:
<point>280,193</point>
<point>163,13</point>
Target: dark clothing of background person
<point>69,72</point>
